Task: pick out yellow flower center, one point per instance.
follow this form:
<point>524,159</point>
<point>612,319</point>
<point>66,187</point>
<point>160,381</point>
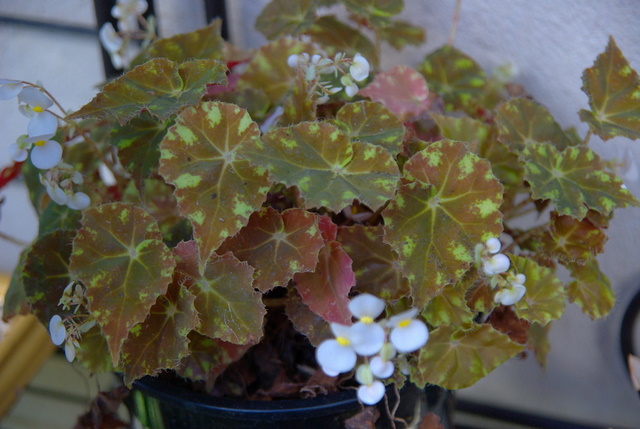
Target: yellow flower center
<point>404,323</point>
<point>38,109</point>
<point>39,143</point>
<point>343,341</point>
<point>366,319</point>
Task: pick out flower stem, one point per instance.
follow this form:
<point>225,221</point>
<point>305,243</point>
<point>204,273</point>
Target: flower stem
<point>454,22</point>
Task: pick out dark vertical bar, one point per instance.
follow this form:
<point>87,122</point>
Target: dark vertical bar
<point>103,14</point>
<point>217,9</point>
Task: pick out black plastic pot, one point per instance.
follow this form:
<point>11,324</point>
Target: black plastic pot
<point>158,404</point>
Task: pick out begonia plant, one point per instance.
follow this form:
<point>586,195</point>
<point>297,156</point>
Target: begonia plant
<point>281,220</point>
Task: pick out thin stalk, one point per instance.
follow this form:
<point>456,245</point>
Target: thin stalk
<point>587,138</point>
<point>454,22</point>
<point>13,240</point>
<point>524,236</point>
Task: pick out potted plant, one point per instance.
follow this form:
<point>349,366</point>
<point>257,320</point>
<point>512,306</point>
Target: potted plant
<point>293,220</point>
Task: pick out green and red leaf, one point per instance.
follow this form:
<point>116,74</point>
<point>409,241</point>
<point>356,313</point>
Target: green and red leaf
<point>450,201</point>
<point>374,262</point>
<point>229,308</point>
<point>160,86</point>
<point>208,358</point>
<point>286,17</point>
<point>575,180</point>
<point>572,240</point>
<point>336,36</point>
<point>377,12</point>
<point>307,322</point>
<point>455,76</point>
<point>327,167</point>
<point>613,88</point>
<point>204,156</point>
<point>457,357</point>
<point>277,245</point>
<point>545,298</point>
<point>268,72</point>
<point>46,273</point>
<point>138,145</point>
<point>120,257</point>
<point>372,123</point>
<point>402,90</point>
<point>591,290</point>
<point>203,44</point>
<point>522,122</point>
<point>161,340</point>
<point>449,307</point>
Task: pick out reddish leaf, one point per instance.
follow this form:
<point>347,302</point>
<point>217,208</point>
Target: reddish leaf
<point>161,340</point>
<point>203,156</point>
<point>505,320</point>
<point>402,90</point>
<point>374,262</point>
<point>326,290</point>
<point>46,273</point>
<point>435,221</point>
<point>306,321</point>
<point>277,245</point>
<point>119,256</point>
<point>209,358</point>
<point>229,308</point>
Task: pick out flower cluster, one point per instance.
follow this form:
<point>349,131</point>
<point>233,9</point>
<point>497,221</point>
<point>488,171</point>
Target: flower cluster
<point>119,44</point>
<point>329,76</point>
<point>70,330</point>
<point>377,342</point>
<point>34,104</point>
<point>510,285</point>
<point>39,145</point>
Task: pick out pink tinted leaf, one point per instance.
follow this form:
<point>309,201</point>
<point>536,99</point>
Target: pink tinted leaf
<point>402,90</point>
<point>326,290</point>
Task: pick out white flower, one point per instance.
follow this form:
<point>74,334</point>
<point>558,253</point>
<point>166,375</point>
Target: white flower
<point>359,69</point>
<point>350,88</point>
<point>293,60</point>
<point>408,334</point>
<point>79,201</point>
<point>366,307</point>
<point>381,368</point>
<point>57,330</point>
<point>111,41</point>
<point>510,295</point>
<point>371,391</point>
<point>70,349</point>
<point>367,336</point>
<point>19,151</point>
<point>337,355</point>
<point>46,154</point>
<point>497,264</point>
<point>56,193</point>
<point>10,88</point>
<point>493,245</point>
<point>371,394</point>
<point>127,8</point>
<point>35,104</point>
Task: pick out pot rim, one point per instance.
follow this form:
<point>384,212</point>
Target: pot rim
<point>252,409</point>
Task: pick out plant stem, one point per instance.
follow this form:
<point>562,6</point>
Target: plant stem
<point>454,22</point>
<point>587,138</point>
<point>524,236</point>
<point>13,240</point>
